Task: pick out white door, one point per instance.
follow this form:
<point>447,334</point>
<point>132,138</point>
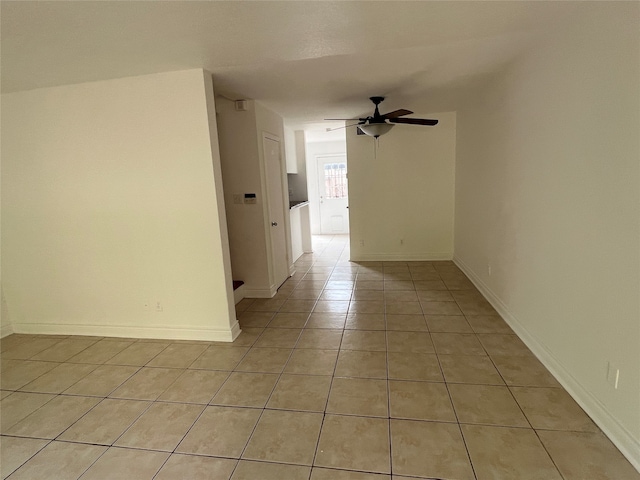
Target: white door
<point>275,200</point>
<point>334,199</point>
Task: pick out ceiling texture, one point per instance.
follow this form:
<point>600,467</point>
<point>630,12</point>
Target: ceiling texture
<point>306,60</point>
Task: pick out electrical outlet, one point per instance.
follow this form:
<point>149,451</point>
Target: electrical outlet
<point>362,243</point>
<point>489,269</point>
<point>613,375</point>
<point>237,198</point>
<point>158,307</point>
<point>402,241</point>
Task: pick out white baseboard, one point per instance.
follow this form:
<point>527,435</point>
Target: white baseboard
<point>260,292</point>
<point>126,331</point>
<point>401,257</point>
<point>617,433</point>
<point>6,330</point>
<point>238,294</point>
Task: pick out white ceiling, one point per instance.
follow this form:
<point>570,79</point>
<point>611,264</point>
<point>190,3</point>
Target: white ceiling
<point>306,60</point>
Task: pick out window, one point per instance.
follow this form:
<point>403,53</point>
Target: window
<point>335,180</point>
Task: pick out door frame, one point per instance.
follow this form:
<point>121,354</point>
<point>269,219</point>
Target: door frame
<point>317,189</point>
<point>274,283</point>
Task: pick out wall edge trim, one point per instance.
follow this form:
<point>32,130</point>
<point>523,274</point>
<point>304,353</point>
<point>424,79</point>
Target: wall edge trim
<point>162,332</point>
<point>610,426</point>
<point>6,330</point>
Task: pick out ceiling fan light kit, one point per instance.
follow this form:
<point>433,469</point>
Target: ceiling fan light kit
<point>377,124</point>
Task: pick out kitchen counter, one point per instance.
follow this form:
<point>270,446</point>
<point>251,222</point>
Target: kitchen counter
<point>298,203</point>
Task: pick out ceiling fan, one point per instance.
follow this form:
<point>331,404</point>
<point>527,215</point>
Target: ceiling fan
<point>378,124</point>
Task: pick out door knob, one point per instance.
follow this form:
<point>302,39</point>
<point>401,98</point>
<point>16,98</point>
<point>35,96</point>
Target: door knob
<point>274,224</point>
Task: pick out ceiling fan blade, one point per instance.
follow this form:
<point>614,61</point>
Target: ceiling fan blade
<point>397,113</point>
<point>414,121</point>
<point>346,126</point>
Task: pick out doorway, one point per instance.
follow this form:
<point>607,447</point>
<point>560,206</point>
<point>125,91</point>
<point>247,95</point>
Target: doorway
<point>276,209</point>
<point>333,194</point>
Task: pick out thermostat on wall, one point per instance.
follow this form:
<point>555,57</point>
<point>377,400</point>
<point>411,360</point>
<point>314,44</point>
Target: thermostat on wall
<point>250,198</point>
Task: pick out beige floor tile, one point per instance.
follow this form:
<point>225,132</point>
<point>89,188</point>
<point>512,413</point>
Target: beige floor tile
<point>53,418</point>
<point>410,342</point>
<point>486,404</point>
<point>326,320</point>
<point>448,324</point>
<point>434,296</point>
<point>312,362</point>
<point>414,366</point>
<point>161,427</point>
<point>372,341</point>
<point>296,305</point>
<point>255,319</point>
<point>120,463</point>
<point>489,324</point>
<point>397,296</point>
<point>331,474</point>
<point>59,460</point>
<point>500,453</point>
<point>441,308</point>
<point>403,308</point>
<point>64,349</point>
<point>430,285</point>
<point>178,355</point>
<point>524,371</point>
<point>407,323</point>
<point>102,381</point>
<point>192,467</point>
<point>5,393</point>
<point>355,443</point>
<point>301,392</point>
<point>310,293</point>
<point>353,363</point>
<point>15,451</point>
<point>366,306</point>
<point>429,449</point>
<point>138,354</point>
<point>20,405</point>
<point>248,470</point>
<point>17,373</point>
<point>552,409</point>
<point>368,285</point>
<point>320,339</point>
<point>369,295</point>
<point>266,305</point>
<point>247,338</point>
<point>101,351</point>
<point>60,378</point>
<point>365,321</point>
<point>195,386</point>
<point>592,456</point>
<point>331,306</point>
<point>457,344</point>
<point>220,357</point>
<point>496,344</point>
<point>221,432</point>
<point>147,384</point>
<point>398,285</point>
<point>469,369</point>
<point>279,337</point>
<point>289,320</point>
<point>246,390</point>
<point>358,396</point>
<point>420,401</point>
<point>265,360</point>
<point>336,295</point>
<point>286,437</point>
<point>28,348</point>
<point>106,422</point>
<point>456,283</point>
<point>472,303</point>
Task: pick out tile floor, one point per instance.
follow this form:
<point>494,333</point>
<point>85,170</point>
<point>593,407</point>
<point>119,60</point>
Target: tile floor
<point>366,371</point>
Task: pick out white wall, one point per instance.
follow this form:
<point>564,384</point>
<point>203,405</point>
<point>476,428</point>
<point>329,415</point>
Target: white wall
<point>240,135</point>
<point>405,191</point>
<point>547,193</point>
<point>110,205</point>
